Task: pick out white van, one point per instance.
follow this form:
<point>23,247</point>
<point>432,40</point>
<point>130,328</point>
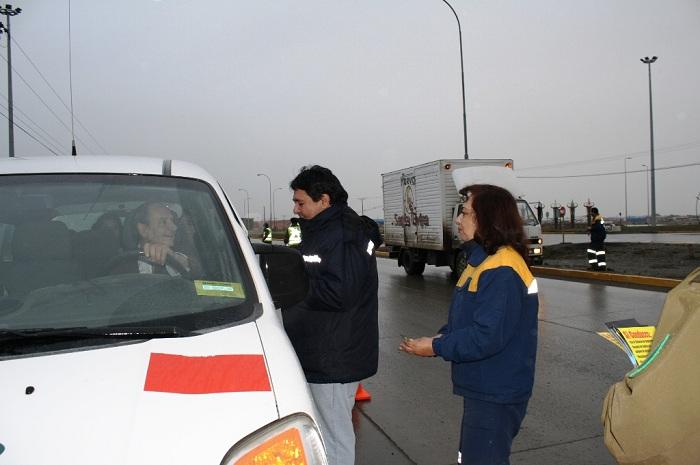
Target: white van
<point>109,357</point>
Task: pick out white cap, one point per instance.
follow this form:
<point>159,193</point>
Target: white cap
<point>495,175</point>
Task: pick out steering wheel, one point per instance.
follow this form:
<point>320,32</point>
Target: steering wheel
<point>131,257</point>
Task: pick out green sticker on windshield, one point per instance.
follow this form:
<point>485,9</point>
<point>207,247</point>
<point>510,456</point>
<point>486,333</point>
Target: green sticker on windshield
<point>219,289</point>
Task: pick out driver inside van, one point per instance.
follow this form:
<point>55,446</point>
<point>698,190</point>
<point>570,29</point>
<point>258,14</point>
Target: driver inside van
<point>155,227</point>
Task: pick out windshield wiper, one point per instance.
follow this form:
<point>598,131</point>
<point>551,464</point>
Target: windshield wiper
<point>84,332</point>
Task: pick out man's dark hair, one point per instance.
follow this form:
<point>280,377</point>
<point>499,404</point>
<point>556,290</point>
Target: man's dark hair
<point>594,211</point>
<point>316,180</point>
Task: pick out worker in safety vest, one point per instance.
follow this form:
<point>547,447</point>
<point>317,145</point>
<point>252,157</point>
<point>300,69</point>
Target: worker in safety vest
<point>293,236</point>
<point>596,250</point>
<point>267,234</point>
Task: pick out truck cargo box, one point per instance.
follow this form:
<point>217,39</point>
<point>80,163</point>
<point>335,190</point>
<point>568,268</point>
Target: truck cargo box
<point>419,202</point>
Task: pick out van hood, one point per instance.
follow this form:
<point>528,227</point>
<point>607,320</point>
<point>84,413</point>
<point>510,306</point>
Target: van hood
<point>162,401</point>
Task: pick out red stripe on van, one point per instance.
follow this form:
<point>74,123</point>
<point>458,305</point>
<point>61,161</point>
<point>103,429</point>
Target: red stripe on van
<point>206,375</point>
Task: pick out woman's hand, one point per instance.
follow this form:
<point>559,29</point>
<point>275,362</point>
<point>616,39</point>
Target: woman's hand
<point>422,346</point>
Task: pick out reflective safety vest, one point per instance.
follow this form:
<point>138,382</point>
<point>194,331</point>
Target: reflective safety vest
<point>294,235</point>
<point>267,236</point>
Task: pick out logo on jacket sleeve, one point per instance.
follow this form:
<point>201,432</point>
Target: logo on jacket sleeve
<point>312,259</point>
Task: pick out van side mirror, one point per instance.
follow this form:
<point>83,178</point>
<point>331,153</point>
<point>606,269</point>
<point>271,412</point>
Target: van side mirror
<point>285,273</point>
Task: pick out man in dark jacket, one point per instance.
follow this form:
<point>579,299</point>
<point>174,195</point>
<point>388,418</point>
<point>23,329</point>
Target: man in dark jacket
<point>334,330</point>
<point>596,250</point>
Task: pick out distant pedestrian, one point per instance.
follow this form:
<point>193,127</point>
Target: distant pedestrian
<point>491,332</point>
<point>293,236</point>
<point>335,330</point>
<point>596,249</point>
<point>267,234</point>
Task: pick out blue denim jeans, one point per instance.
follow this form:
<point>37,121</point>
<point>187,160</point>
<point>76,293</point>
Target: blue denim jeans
<point>488,430</point>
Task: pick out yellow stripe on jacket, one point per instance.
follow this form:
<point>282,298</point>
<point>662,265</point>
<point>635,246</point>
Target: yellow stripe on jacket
<point>504,256</point>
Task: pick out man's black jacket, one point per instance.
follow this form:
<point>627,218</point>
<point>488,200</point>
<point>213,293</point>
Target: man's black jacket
<point>334,330</point>
<point>598,233</point>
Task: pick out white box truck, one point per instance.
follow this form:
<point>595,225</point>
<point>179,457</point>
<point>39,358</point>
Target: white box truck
<point>419,212</point>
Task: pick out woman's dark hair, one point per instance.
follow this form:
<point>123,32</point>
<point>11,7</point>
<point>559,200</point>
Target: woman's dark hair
<point>498,221</point>
<point>316,180</point>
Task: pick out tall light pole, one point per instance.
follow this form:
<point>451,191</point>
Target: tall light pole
<point>648,61</point>
<point>246,203</point>
<point>9,12</point>
<point>697,199</point>
<point>270,183</point>
<point>646,181</point>
<point>626,158</point>
<point>461,64</point>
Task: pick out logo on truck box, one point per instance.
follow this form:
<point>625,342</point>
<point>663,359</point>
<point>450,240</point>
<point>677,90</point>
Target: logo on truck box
<point>411,216</point>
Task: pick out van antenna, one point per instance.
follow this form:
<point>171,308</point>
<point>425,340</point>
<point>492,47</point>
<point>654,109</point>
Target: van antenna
<point>74,151</point>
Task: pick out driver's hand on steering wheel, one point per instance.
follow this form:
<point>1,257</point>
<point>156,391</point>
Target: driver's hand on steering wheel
<point>157,253</point>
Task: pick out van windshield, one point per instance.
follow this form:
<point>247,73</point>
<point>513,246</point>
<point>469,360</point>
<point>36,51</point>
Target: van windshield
<point>99,251</point>
<point>528,216</point>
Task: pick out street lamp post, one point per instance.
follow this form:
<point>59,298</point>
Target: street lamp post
<point>697,198</point>
<point>461,64</point>
<point>270,183</point>
<point>626,158</point>
<point>648,61</point>
<point>274,201</point>
<point>246,203</point>
<point>646,181</point>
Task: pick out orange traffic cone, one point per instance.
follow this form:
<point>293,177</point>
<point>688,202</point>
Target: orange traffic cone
<point>362,394</point>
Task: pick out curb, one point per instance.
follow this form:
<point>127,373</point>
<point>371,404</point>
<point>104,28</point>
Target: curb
<point>566,273</point>
<point>665,283</point>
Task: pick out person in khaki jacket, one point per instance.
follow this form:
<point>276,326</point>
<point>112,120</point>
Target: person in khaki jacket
<point>652,416</point>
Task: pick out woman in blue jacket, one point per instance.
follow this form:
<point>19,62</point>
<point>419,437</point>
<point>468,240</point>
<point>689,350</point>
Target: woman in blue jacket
<point>491,333</point>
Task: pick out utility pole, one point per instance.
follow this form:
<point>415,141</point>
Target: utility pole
<point>9,12</point>
<point>362,204</point>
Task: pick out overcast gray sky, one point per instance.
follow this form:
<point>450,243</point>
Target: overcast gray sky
<point>368,86</point>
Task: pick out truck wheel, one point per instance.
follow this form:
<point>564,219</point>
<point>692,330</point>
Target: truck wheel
<point>412,264</point>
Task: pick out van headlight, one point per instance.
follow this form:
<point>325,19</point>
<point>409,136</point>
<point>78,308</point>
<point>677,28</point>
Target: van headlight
<point>293,440</point>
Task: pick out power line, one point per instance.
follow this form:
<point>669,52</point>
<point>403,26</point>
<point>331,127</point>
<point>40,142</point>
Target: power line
<point>26,116</point>
<point>36,68</point>
<point>27,133</point>
<point>673,148</point>
<point>611,173</point>
<point>34,126</point>
<point>40,99</point>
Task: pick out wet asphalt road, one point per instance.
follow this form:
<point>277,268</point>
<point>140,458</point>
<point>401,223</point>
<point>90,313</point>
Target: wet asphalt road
<point>413,417</point>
